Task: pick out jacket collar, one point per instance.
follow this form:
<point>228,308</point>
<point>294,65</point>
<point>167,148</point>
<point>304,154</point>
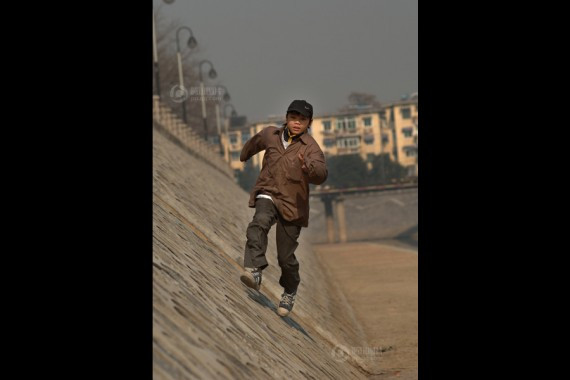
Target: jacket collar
<point>304,137</point>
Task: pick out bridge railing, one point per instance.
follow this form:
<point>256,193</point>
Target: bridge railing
<point>404,184</point>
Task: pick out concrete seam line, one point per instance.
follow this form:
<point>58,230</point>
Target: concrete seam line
<point>325,335</point>
<point>341,294</point>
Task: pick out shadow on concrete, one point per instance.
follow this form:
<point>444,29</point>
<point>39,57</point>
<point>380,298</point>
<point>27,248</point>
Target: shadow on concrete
<point>409,236</point>
<point>261,299</point>
<point>295,325</point>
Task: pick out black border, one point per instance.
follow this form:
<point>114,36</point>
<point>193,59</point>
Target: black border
<point>93,182</point>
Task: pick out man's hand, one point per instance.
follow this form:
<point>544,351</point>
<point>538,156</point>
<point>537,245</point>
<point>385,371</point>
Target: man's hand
<point>303,166</point>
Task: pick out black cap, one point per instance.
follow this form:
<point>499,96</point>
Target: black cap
<point>302,107</point>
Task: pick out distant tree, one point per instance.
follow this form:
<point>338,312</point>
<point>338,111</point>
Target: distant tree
<point>360,100</point>
<point>346,171</point>
<point>248,176</point>
<point>169,76</point>
<point>384,170</point>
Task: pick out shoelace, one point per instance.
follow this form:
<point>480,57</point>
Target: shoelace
<point>288,298</point>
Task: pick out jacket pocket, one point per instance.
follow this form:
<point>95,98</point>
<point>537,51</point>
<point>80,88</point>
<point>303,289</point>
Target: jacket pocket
<point>294,172</point>
<point>294,175</point>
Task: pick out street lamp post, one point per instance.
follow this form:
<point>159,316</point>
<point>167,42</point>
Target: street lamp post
<point>191,44</point>
<point>234,113</point>
<point>226,123</point>
<point>226,98</point>
<point>155,54</point>
<point>212,74</point>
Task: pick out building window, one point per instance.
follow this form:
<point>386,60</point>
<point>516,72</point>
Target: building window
<point>370,157</point>
<point>410,153</point>
<point>367,121</point>
<point>369,139</point>
<point>384,139</point>
<point>235,156</point>
<point>244,137</point>
<point>233,138</point>
<point>406,113</point>
<point>347,124</point>
<point>407,131</point>
<point>328,143</point>
<point>327,125</point>
<point>352,142</point>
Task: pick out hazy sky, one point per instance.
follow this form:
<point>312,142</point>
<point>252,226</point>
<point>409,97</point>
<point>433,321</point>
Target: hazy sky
<point>269,52</point>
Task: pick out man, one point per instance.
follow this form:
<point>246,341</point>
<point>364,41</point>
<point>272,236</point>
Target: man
<point>292,160</point>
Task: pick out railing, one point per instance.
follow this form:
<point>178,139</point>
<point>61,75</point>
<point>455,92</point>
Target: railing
<point>404,183</point>
<point>348,132</point>
<point>347,150</point>
<point>189,139</point>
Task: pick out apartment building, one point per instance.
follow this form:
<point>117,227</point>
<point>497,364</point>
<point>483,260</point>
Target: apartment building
<point>391,129</point>
<point>402,121</point>
<point>233,142</point>
<point>257,127</point>
<point>236,137</point>
<point>360,132</point>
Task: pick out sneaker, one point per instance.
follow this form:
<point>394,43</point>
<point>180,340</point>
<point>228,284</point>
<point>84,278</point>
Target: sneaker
<point>286,304</point>
<point>252,279</point>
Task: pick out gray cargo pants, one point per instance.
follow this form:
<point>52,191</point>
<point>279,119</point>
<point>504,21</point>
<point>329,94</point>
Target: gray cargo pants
<point>266,215</point>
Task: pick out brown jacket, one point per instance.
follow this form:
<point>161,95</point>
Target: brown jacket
<point>281,174</point>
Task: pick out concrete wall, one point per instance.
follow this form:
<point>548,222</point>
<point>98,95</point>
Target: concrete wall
<point>382,215</point>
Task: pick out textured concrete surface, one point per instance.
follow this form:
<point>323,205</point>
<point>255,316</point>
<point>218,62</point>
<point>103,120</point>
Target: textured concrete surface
<point>380,282</point>
<point>206,324</point>
<point>381,215</point>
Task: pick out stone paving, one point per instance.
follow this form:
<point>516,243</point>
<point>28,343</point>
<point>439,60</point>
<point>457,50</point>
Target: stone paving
<point>206,324</point>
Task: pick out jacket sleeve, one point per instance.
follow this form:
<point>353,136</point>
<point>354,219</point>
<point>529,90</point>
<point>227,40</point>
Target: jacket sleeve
<point>316,165</point>
<point>254,145</point>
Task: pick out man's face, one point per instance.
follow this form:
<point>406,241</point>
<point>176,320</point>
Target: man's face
<point>297,123</point>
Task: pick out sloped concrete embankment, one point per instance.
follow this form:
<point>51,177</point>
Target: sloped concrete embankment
<point>206,324</point>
